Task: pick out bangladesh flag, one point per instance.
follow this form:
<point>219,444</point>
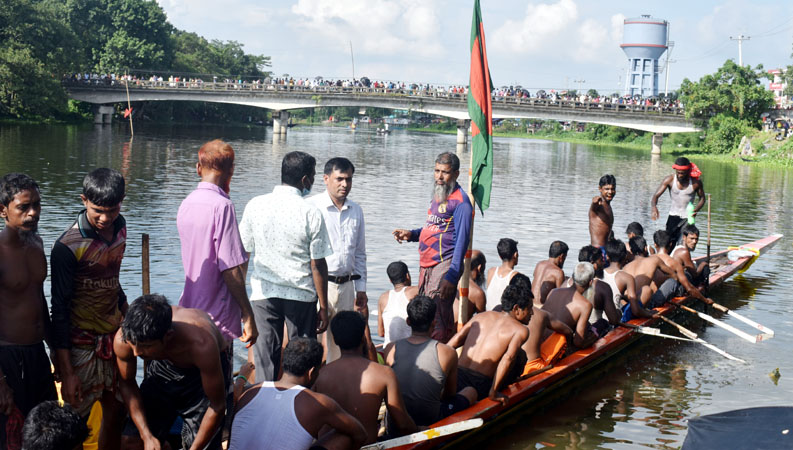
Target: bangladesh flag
<point>480,110</point>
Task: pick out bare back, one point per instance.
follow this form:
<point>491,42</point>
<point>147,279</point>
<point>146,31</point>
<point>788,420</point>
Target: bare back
<point>195,332</point>
<point>547,276</point>
<point>488,340</point>
<point>570,307</point>
<point>23,269</point>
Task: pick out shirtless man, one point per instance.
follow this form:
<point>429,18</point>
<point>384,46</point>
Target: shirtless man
<point>498,277</point>
<point>25,375</point>
<point>392,305</point>
<point>358,384</point>
<point>643,268</point>
<point>682,187</point>
<point>635,229</point>
<point>604,311</point>
<point>569,305</point>
<point>186,374</point>
<point>263,421</point>
<point>490,343</point>
<point>601,217</point>
<point>667,287</point>
<point>682,254</point>
<point>548,274</point>
<point>622,283</point>
<point>477,300</point>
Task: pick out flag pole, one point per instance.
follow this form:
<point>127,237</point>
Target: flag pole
<point>129,105</point>
<point>462,310</point>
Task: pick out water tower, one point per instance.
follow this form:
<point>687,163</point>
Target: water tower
<point>644,39</point>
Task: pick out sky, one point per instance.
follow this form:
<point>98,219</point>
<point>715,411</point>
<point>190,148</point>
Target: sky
<point>538,44</point>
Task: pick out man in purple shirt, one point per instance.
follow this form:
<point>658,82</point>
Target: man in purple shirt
<point>213,257</point>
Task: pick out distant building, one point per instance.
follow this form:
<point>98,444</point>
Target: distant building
<point>778,86</point>
<point>644,40</point>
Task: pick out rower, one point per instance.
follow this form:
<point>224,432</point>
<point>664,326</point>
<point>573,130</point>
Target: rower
<point>682,253</point>
<point>477,300</point>
<point>622,283</point>
<point>682,186</point>
<point>392,305</point>
<point>498,277</point>
<point>569,305</point>
<point>548,274</point>
<point>643,268</point>
<point>604,311</point>
<point>635,229</point>
<point>601,216</point>
<point>668,287</point>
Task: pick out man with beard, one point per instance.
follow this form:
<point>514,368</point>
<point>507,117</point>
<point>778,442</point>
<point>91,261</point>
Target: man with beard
<point>601,216</point>
<point>25,375</point>
<point>682,187</point>
<point>443,242</point>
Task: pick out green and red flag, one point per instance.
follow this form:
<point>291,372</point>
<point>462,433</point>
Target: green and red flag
<point>480,110</point>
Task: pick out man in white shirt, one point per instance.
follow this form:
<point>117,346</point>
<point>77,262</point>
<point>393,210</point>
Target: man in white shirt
<point>289,242</point>
<point>346,229</point>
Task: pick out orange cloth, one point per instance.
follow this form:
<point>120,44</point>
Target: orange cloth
<point>550,351</point>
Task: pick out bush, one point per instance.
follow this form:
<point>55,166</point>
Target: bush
<point>725,133</point>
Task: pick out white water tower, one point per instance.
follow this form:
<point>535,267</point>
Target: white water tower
<point>644,40</point>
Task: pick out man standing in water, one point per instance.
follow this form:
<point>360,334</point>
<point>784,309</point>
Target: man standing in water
<point>443,242</point>
<point>682,187</point>
<point>25,375</point>
<point>601,217</point>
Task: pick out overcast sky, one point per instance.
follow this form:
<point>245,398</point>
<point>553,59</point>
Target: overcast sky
<point>534,43</point>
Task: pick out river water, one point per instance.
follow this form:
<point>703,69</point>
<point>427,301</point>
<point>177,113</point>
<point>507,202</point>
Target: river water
<point>541,192</point>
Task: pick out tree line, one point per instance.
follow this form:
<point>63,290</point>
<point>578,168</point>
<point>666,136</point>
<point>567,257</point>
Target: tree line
<point>41,41</point>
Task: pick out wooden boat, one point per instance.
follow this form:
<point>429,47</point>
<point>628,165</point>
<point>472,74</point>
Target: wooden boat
<point>521,393</point>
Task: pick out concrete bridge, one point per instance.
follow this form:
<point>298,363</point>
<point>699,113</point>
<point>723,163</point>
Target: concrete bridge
<point>282,98</point>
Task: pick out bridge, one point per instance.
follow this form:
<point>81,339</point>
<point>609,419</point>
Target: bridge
<point>282,98</point>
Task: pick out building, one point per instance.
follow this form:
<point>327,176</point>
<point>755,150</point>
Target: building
<point>644,40</point>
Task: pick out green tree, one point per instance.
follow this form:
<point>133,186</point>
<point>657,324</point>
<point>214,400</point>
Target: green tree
<point>592,93</point>
<point>733,91</point>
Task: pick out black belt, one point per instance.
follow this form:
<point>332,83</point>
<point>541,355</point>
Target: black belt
<point>344,279</point>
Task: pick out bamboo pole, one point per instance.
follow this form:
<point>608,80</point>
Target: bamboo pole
<point>462,310</point>
<point>707,258</point>
<point>129,107</point>
<point>144,257</point>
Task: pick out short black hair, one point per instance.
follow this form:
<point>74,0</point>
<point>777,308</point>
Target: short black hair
<point>513,296</point>
<point>506,247</point>
<point>635,228</point>
<point>606,180</point>
<point>347,328</point>
<point>12,184</point>
<point>301,355</point>
<point>616,251</point>
<point>682,161</point>
<point>341,164</point>
<point>421,312</point>
<point>449,159</point>
<point>295,166</point>
<point>397,272</point>
<point>478,260</point>
<point>689,228</point>
<point>50,426</point>
<point>148,318</point>
<point>558,248</point>
<point>522,281</point>
<point>104,187</point>
<point>662,239</point>
<point>590,254</point>
<point>638,245</point>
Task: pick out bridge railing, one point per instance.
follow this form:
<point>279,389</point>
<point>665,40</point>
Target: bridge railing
<point>203,86</point>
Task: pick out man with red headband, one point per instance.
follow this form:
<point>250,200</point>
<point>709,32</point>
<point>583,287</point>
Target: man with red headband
<point>682,187</point>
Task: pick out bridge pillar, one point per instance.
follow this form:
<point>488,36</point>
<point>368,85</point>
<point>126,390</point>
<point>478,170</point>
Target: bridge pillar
<point>103,114</point>
<point>658,139</point>
<point>462,131</point>
<point>280,122</point>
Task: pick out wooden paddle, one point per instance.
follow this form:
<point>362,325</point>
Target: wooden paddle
<point>699,340</point>
<point>728,327</point>
<point>144,263</point>
<point>653,332</point>
<point>707,258</point>
<point>426,435</point>
<point>767,332</point>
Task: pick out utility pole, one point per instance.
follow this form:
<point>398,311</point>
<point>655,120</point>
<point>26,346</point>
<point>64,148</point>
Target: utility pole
<point>352,58</point>
<point>740,40</point>
<point>580,85</point>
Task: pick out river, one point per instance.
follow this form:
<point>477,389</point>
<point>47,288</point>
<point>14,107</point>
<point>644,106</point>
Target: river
<point>541,192</point>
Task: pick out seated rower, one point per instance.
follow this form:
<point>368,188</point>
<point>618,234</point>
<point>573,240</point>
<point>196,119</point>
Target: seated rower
<point>669,287</point>
<point>548,274</point>
<point>426,369</point>
<point>682,253</point>
<point>623,285</point>
<point>392,305</point>
<point>477,300</point>
<point>288,415</point>
<point>490,343</point>
<point>358,384</point>
<point>635,229</point>
<point>569,305</point>
<point>498,277</point>
<point>643,268</point>
<point>185,376</point>
<point>604,311</point>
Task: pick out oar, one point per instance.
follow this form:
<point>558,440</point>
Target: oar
<point>654,332</point>
<point>699,340</point>
<point>767,331</point>
<point>426,435</point>
<point>726,326</point>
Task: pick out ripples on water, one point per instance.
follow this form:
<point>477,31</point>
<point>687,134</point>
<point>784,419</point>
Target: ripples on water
<point>541,193</point>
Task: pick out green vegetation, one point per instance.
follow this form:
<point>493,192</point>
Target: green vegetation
<point>41,41</point>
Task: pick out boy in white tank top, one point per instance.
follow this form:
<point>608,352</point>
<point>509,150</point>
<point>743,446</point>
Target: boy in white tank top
<point>498,277</point>
<point>392,305</point>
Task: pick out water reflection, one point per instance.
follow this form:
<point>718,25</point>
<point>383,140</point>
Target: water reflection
<point>541,192</point>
